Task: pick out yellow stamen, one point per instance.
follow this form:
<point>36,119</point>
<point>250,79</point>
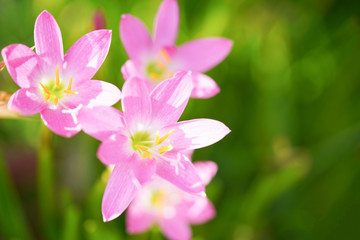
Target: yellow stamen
<point>160,65</point>
<point>57,77</point>
<point>157,138</point>
<point>165,55</point>
<point>70,91</point>
<point>45,89</point>
<point>165,149</point>
<point>70,82</point>
<point>48,93</point>
<point>47,97</point>
<point>155,76</point>
<point>56,101</point>
<point>142,148</point>
<point>147,154</point>
<point>159,141</point>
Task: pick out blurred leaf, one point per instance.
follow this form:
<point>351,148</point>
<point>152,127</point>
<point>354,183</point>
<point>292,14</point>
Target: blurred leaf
<point>12,220</point>
<point>96,230</point>
<point>71,218</point>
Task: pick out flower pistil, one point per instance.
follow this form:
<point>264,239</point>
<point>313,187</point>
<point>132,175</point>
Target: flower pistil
<point>143,144</point>
<point>55,92</point>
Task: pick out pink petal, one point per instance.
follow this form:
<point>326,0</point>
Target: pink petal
<point>178,170</point>
<point>86,56</point>
<point>196,133</point>
<point>166,24</point>
<point>176,228</point>
<point>188,153</point>
<point>137,220</point>
<point>204,86</point>
<point>170,98</point>
<point>136,103</point>
<point>61,121</point>
<point>116,149</point>
<point>135,37</point>
<point>143,169</point>
<point>201,211</point>
<point>96,125</point>
<point>27,101</point>
<point>119,192</point>
<point>129,70</point>
<point>48,40</point>
<point>206,170</point>
<point>22,64</point>
<point>93,93</point>
<point>202,54</point>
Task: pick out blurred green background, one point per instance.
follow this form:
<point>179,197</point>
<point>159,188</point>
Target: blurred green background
<point>290,93</point>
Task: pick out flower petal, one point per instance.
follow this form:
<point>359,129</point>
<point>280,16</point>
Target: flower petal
<point>137,220</point>
<point>48,40</point>
<point>96,125</point>
<point>204,86</point>
<point>206,170</point>
<point>136,103</point>
<point>119,192</point>
<point>26,101</point>
<point>176,228</point>
<point>201,211</point>
<point>143,169</point>
<point>196,133</point>
<point>115,149</point>
<point>202,54</point>
<point>22,64</point>
<point>61,121</point>
<point>177,169</point>
<point>166,24</point>
<point>129,70</point>
<point>170,98</point>
<point>93,93</point>
<point>135,37</point>
<point>86,56</point>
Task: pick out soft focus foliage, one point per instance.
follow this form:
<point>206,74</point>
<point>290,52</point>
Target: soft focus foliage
<point>290,93</point>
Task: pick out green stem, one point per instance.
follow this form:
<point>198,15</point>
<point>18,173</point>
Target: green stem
<point>45,183</point>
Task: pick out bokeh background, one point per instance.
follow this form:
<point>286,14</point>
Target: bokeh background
<point>290,93</point>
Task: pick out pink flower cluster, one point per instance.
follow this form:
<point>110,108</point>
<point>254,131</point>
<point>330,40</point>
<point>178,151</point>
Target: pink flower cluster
<point>147,145</point>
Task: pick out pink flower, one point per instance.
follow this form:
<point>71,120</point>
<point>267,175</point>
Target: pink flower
<point>157,58</point>
<point>159,202</point>
<point>147,139</point>
<point>57,86</point>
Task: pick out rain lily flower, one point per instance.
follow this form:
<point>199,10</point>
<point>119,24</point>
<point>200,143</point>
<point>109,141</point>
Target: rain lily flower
<point>55,85</point>
<point>148,140</point>
<point>157,58</point>
<point>159,202</point>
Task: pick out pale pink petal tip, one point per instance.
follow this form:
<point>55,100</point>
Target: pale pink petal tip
<point>166,24</point>
<point>206,170</point>
<point>48,40</point>
<point>201,55</point>
<point>135,37</point>
<point>203,194</point>
<point>204,86</point>
<point>198,133</point>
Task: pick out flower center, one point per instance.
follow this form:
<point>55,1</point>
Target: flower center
<point>53,91</point>
<point>158,199</point>
<point>158,69</point>
<point>144,144</point>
